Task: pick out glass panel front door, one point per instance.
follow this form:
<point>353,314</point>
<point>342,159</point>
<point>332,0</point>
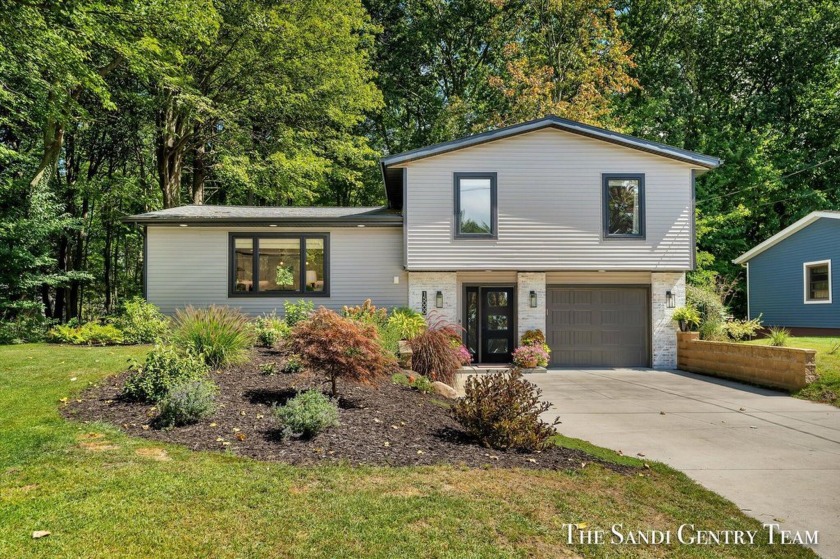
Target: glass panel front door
<point>488,323</point>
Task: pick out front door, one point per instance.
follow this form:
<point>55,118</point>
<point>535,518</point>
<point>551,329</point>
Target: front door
<point>488,323</point>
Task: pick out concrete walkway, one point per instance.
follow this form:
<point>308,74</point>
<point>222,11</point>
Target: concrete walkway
<point>776,457</point>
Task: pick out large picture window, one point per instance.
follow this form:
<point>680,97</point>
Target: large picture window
<point>624,206</point>
<point>817,281</point>
<point>277,265</point>
<point>475,205</point>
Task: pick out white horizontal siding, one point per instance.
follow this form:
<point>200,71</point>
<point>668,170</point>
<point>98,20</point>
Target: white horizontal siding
<point>189,266</point>
<point>550,210</point>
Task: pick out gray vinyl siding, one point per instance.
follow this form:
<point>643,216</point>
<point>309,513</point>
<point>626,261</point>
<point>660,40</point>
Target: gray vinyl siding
<point>777,284</point>
<point>189,266</point>
<point>549,208</point>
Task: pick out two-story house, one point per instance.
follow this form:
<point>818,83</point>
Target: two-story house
<point>581,232</point>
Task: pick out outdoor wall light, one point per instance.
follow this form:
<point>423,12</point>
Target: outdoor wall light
<point>669,300</point>
<point>439,299</point>
<point>533,297</point>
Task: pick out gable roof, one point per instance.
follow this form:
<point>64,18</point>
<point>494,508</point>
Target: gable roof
<point>393,178</point>
<point>255,215</point>
<point>785,233</point>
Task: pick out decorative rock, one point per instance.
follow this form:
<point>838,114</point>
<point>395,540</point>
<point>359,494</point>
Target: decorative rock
<point>444,390</point>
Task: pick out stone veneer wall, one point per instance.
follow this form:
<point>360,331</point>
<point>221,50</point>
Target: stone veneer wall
<point>663,327</point>
<point>528,318</point>
<point>431,283</point>
<point>777,367</point>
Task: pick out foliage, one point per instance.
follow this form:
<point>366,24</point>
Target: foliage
<point>222,335</point>
<point>687,315</point>
<point>90,333</point>
<point>436,351</point>
<point>366,313</point>
<point>270,329</point>
<point>778,336</point>
<point>307,414</point>
<point>188,402</point>
<point>295,312</point>
<point>530,356</point>
<point>536,337</point>
<point>418,382</point>
<point>31,327</point>
<point>292,364</point>
<point>741,329</point>
<point>341,348</point>
<point>503,410</point>
<point>268,368</point>
<point>407,325</point>
<point>142,322</point>
<point>165,367</point>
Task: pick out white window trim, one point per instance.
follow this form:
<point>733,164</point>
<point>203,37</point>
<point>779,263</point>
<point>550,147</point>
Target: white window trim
<point>805,266</point>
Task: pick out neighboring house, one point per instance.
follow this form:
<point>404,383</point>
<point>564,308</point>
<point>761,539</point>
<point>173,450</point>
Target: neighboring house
<point>551,224</point>
<point>790,277</point>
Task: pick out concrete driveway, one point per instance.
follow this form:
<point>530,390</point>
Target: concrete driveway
<point>776,457</point>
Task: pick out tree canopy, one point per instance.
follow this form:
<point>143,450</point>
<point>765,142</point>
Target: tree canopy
<point>118,107</point>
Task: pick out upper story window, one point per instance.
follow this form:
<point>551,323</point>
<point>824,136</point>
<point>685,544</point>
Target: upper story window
<point>624,205</point>
<point>278,265</point>
<point>818,281</point>
<point>476,211</point>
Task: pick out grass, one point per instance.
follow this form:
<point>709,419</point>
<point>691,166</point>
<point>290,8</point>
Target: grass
<point>827,387</point>
<point>103,494</point>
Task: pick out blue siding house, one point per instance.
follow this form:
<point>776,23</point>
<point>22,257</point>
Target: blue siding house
<point>793,279</point>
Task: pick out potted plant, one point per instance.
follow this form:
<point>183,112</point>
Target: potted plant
<point>687,318</point>
<point>530,357</point>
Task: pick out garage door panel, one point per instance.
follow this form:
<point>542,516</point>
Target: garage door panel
<point>598,326</point>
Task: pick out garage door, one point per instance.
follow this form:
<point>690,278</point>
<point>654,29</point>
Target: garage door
<point>598,326</point>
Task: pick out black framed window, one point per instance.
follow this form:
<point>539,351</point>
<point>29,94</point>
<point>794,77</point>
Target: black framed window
<point>476,211</point>
<point>818,281</point>
<point>624,206</point>
<point>279,264</point>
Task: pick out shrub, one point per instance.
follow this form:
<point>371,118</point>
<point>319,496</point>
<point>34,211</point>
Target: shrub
<point>406,325</point>
<point>187,403</point>
<point>269,368</point>
<point>293,364</point>
<point>687,317</point>
<point>23,329</point>
<point>530,356</point>
<point>339,347</point>
<point>270,329</point>
<point>712,330</point>
<point>779,336</point>
<point>420,383</point>
<point>536,338</point>
<point>295,312</point>
<point>741,329</point>
<point>436,352</point>
<point>502,411</point>
<point>307,414</point>
<point>164,367</point>
<point>366,313</point>
<point>221,334</point>
<point>90,333</point>
<point>142,322</point>
<point>533,337</point>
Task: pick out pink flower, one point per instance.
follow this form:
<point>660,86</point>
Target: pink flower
<point>463,355</point>
<point>530,356</point>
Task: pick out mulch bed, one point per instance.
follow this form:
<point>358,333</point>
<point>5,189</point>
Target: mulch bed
<point>383,425</point>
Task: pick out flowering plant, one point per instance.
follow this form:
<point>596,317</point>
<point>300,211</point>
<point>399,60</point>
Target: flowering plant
<point>530,356</point>
<point>463,355</point>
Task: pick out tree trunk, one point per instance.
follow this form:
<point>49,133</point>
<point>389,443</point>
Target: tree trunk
<point>199,172</point>
<point>106,272</point>
<point>171,141</point>
<point>53,139</point>
<point>60,292</point>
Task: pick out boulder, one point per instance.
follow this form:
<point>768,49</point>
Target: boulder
<point>444,390</point>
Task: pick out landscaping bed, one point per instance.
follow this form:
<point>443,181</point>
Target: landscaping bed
<point>386,424</point>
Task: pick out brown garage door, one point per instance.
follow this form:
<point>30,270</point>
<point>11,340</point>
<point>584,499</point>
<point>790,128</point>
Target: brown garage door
<point>598,326</point>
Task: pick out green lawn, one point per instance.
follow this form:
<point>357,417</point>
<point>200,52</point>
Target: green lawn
<point>827,388</point>
<point>103,494</point>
